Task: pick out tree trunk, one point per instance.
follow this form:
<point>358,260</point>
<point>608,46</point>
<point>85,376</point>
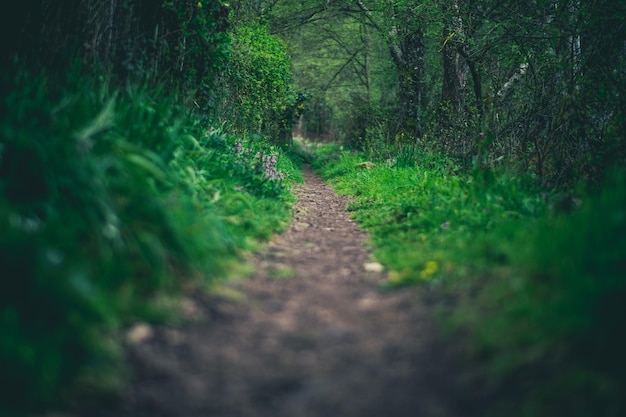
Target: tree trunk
<point>365,38</point>
<point>454,65</point>
<point>411,80</point>
<point>405,39</point>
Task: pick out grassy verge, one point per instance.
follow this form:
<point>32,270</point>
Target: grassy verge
<point>112,203</point>
<point>538,279</point>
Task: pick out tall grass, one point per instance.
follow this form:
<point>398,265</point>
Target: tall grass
<point>111,204</point>
<point>537,283</point>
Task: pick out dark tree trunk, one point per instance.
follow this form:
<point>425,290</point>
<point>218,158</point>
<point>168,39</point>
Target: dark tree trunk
<point>454,65</point>
<point>405,39</point>
<point>410,63</point>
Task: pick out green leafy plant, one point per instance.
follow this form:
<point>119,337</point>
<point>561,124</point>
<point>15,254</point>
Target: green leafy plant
<point>109,208</point>
<point>257,86</point>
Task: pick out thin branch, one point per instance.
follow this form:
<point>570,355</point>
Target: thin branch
<point>396,51</point>
<point>340,70</point>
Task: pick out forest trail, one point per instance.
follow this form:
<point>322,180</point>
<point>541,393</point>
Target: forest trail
<point>310,335</point>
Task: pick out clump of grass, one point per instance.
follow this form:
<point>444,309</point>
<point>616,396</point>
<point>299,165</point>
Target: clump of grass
<point>245,181</point>
<point>539,293</point>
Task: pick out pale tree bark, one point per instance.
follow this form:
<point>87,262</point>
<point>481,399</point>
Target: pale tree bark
<point>514,79</point>
<point>367,66</point>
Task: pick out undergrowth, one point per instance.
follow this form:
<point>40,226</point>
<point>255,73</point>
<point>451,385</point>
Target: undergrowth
<point>537,277</point>
<point>112,204</point>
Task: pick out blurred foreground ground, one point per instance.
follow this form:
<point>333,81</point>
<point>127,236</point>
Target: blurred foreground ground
<point>310,335</point>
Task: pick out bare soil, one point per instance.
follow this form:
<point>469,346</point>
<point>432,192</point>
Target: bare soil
<point>309,335</point>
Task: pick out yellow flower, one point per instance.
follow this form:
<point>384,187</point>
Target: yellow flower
<point>394,277</point>
<point>430,269</point>
<point>199,5</point>
<point>399,277</point>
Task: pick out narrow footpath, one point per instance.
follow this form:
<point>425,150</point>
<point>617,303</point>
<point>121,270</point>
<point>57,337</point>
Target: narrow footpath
<point>309,335</point>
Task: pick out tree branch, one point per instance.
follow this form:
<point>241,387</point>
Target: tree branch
<point>340,70</point>
<point>394,48</point>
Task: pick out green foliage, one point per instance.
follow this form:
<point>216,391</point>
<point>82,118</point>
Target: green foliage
<point>77,200</point>
<point>345,65</point>
<point>421,209</point>
<point>257,83</point>
<point>191,48</point>
<point>535,84</point>
<point>536,285</point>
<point>109,208</point>
<point>245,180</point>
<point>564,287</point>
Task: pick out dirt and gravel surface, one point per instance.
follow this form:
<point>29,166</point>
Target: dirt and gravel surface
<point>309,335</point>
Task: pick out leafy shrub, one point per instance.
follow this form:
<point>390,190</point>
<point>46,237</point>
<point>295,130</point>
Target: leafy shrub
<point>257,87</point>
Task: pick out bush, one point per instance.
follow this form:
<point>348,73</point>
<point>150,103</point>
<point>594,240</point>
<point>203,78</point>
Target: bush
<point>258,97</point>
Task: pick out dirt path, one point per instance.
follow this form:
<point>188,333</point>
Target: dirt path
<point>310,336</point>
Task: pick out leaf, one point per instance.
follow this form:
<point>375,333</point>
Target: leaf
<point>147,165</point>
<point>103,121</point>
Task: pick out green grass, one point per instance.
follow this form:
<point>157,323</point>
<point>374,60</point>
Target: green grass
<point>538,293</point>
<point>112,203</point>
<point>426,218</point>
